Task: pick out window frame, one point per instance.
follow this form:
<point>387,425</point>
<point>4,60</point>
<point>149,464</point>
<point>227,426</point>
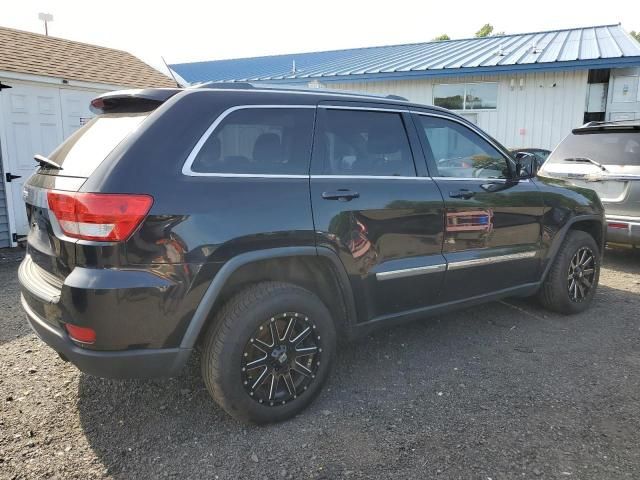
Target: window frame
<point>186,167</point>
<point>464,96</point>
<point>407,125</point>
<point>428,153</point>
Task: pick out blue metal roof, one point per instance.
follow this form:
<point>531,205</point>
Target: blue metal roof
<point>590,47</point>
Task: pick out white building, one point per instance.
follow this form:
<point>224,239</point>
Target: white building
<point>46,85</point>
<point>526,90</point>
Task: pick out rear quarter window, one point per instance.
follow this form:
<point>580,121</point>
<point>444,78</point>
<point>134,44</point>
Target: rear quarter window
<point>84,150</point>
<point>273,141</point>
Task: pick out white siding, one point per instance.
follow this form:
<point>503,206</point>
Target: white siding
<point>5,241</point>
<point>540,114</point>
<point>35,117</point>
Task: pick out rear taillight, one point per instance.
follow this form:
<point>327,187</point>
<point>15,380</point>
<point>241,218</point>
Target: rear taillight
<point>619,225</point>
<point>107,217</point>
<point>81,334</point>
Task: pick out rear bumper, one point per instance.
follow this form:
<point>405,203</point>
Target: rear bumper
<point>623,229</point>
<point>136,363</point>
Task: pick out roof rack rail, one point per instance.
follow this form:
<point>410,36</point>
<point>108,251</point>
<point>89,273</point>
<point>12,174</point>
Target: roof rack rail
<point>612,125</point>
<point>230,85</point>
<point>397,97</point>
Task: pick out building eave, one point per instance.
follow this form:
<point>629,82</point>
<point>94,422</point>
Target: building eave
<point>63,82</point>
<point>449,72</point>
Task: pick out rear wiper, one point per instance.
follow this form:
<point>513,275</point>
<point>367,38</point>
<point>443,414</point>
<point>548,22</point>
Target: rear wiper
<point>45,162</point>
<point>586,160</point>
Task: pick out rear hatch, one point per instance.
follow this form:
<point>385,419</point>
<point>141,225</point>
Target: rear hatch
<point>50,193</point>
<point>606,160</point>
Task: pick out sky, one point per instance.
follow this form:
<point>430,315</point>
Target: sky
<point>187,30</point>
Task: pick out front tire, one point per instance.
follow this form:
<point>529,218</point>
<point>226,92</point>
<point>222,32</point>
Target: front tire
<point>573,278</point>
<point>268,352</point>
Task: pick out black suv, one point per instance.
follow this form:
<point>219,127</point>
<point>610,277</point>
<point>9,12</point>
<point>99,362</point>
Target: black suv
<point>263,225</point>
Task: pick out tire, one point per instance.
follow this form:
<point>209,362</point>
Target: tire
<point>556,293</point>
<point>244,327</point>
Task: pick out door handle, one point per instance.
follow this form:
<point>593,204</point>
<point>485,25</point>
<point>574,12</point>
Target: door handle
<point>462,193</point>
<point>11,177</point>
<point>343,195</point>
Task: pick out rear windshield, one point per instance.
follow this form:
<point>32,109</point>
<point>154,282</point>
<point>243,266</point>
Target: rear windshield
<point>607,148</point>
<point>83,151</point>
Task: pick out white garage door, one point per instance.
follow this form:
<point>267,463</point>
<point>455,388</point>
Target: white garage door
<point>36,120</point>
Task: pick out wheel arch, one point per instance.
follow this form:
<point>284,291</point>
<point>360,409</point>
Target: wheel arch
<point>316,269</point>
<point>594,225</point>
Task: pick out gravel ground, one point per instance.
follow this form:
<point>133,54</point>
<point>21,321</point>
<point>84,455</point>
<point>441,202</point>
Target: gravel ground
<point>502,391</point>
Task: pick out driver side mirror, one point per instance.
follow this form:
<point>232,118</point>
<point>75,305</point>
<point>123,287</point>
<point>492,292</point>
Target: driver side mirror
<point>526,165</point>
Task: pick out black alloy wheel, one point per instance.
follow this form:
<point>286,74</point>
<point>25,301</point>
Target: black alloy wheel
<point>572,280</point>
<point>281,359</point>
<point>268,352</point>
<point>582,270</point>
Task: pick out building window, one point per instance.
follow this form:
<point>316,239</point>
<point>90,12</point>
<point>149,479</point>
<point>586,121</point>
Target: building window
<point>466,96</point>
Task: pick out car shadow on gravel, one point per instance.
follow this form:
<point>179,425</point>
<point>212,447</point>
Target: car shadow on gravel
<point>172,427</point>
<point>449,387</point>
<point>437,396</point>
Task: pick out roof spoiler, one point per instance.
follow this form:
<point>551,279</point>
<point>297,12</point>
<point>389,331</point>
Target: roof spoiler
<point>141,100</point>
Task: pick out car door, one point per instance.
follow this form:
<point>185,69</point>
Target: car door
<point>492,238</point>
<point>382,217</point>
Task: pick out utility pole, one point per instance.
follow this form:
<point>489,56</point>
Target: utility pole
<point>46,18</point>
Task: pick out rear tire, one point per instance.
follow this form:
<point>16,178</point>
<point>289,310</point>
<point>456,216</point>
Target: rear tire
<point>238,354</point>
<point>573,278</point>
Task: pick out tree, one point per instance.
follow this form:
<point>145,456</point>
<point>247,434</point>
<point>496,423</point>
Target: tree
<point>635,35</point>
<point>485,31</point>
<point>442,37</point>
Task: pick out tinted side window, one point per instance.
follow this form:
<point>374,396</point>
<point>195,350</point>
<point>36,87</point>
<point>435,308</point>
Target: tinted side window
<point>459,152</point>
<point>360,142</point>
<point>259,140</point>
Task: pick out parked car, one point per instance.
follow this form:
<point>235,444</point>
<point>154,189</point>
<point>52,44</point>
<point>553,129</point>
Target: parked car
<point>537,155</point>
<point>605,156</point>
<point>264,225</point>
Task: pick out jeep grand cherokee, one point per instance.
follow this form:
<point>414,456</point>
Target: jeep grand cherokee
<point>263,225</point>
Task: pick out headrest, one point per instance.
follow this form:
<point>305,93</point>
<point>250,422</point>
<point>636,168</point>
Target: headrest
<point>267,148</point>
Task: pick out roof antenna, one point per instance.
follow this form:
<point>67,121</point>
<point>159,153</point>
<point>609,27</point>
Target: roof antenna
<point>171,72</point>
<point>46,18</point>
<point>293,67</point>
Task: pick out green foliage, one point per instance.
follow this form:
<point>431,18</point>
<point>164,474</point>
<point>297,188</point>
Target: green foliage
<point>485,31</point>
<point>442,37</point>
<point>452,103</point>
<point>635,35</point>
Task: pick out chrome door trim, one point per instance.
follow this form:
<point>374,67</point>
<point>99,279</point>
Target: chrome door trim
<point>483,179</point>
<point>369,177</point>
<point>477,262</point>
<point>410,272</point>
